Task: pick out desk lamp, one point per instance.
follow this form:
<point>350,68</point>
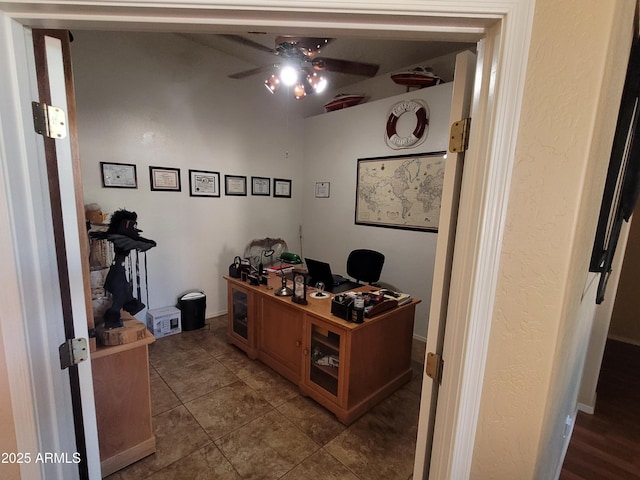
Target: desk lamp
<point>294,259</point>
<point>267,254</point>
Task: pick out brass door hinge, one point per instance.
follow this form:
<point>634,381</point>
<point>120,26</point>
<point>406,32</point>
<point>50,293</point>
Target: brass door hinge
<point>72,352</point>
<point>434,367</point>
<point>459,135</point>
<point>49,121</point>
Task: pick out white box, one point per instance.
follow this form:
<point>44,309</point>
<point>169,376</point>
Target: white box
<point>164,321</point>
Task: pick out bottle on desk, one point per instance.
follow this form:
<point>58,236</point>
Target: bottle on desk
<point>357,311</point>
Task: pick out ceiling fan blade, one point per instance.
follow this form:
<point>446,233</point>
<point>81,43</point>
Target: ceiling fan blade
<point>249,43</point>
<point>309,46</point>
<point>252,71</point>
<point>345,66</point>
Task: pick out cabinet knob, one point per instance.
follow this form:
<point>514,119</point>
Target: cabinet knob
<point>298,343</point>
<point>305,352</point>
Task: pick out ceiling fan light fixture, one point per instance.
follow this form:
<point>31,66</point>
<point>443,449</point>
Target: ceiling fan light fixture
<point>317,82</point>
<point>299,91</point>
<point>289,75</point>
<point>272,83</point>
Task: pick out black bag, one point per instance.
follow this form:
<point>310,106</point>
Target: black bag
<point>237,267</point>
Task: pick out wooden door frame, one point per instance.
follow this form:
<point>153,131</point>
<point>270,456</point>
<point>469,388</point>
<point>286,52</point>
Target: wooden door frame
<point>484,200</point>
<point>51,158</point>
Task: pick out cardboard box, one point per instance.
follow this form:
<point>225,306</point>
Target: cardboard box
<point>164,321</point>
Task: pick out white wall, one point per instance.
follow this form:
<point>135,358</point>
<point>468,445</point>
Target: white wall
<point>544,305</point>
<point>159,99</point>
<point>333,144</point>
<point>162,100</point>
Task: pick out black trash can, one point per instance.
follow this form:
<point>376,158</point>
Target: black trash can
<point>192,305</point>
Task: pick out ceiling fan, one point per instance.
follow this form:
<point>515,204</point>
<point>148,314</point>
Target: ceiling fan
<point>300,65</point>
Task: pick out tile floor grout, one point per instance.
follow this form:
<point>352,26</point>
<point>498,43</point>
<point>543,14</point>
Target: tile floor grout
<point>201,385</point>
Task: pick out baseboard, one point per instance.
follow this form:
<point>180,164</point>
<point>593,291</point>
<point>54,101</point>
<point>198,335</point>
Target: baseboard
<point>630,341</point>
<point>589,409</point>
<point>420,338</point>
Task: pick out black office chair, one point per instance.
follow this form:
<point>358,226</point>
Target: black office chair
<point>365,265</point>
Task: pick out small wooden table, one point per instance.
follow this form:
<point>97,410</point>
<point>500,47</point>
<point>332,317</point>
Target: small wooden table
<point>123,401</point>
<point>344,366</point>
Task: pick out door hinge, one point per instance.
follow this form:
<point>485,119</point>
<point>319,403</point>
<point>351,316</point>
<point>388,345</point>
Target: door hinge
<point>459,135</point>
<point>434,367</point>
<point>49,121</point>
<point>72,352</point>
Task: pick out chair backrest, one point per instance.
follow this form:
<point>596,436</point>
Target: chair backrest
<point>365,265</point>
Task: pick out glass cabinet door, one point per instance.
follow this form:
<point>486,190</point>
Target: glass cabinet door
<point>324,358</point>
<point>240,313</point>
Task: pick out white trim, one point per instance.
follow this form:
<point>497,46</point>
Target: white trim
<point>38,400</point>
<point>567,440</point>
<point>588,409</point>
<point>483,203</point>
<point>13,331</point>
<point>485,183</point>
<point>619,338</point>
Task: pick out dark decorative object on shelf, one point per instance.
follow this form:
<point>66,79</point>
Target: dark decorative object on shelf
<point>125,236</point>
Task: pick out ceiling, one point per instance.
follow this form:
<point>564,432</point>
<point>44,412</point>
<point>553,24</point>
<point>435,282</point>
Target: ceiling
<point>391,55</point>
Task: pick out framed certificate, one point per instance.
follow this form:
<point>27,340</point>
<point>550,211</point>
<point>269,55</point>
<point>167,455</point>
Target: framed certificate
<point>118,175</point>
<point>204,184</point>
<point>164,179</point>
<point>260,186</point>
<point>235,185</point>
<point>322,189</point>
<point>281,188</point>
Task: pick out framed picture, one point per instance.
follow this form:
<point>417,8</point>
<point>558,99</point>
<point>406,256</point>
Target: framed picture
<point>204,184</point>
<point>235,185</point>
<point>119,175</point>
<point>260,186</point>
<point>164,179</point>
<point>281,188</point>
<point>400,192</point>
<point>322,189</point>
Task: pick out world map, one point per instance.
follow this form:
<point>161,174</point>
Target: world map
<point>400,192</point>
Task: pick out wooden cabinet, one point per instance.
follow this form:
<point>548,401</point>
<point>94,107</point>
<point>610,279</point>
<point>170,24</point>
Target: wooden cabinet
<point>346,367</point>
<point>123,403</point>
<point>280,331</point>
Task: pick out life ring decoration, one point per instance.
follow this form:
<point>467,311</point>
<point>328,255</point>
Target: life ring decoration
<point>419,133</point>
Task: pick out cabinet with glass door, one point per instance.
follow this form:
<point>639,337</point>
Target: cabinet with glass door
<point>325,351</point>
<point>241,328</point>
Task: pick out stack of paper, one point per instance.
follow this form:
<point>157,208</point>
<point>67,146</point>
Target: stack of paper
<point>402,298</point>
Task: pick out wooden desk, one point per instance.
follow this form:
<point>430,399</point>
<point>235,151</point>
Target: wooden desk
<point>344,366</point>
<point>123,402</point>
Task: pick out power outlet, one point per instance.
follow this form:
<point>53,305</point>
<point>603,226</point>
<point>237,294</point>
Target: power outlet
<point>568,423</point>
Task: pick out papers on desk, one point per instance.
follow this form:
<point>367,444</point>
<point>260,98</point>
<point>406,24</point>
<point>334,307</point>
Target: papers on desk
<point>284,268</point>
<point>402,298</point>
<point>378,301</point>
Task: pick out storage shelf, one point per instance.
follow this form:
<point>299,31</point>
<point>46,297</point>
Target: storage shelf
<point>331,371</point>
<point>331,342</point>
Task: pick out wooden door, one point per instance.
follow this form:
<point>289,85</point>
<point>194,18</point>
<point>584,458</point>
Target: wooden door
<point>460,109</point>
<point>280,338</point>
<point>55,87</point>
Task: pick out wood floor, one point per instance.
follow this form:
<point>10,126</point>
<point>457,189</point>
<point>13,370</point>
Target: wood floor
<point>606,445</point>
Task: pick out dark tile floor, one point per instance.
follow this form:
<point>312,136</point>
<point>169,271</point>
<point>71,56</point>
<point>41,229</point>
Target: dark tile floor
<point>219,415</point>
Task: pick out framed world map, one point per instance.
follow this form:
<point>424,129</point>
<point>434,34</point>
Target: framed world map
<point>400,191</point>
